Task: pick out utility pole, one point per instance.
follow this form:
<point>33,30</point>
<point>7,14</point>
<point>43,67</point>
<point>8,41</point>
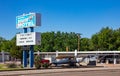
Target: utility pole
<point>66,48</point>
<point>78,34</point>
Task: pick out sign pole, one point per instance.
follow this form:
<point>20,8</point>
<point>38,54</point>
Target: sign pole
<point>24,52</point>
<point>31,56</point>
<point>26,38</point>
<point>31,52</point>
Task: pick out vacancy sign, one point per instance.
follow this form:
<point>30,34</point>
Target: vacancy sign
<point>32,38</point>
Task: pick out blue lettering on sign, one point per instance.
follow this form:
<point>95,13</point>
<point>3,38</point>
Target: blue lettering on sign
<point>28,20</point>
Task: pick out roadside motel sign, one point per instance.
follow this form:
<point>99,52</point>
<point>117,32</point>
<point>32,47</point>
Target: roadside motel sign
<point>26,38</point>
<point>28,20</point>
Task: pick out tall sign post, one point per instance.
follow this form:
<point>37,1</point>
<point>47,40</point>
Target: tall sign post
<point>24,52</point>
<point>31,52</point>
<point>30,38</point>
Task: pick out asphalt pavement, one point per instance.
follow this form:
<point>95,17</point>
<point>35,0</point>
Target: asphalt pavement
<point>55,70</point>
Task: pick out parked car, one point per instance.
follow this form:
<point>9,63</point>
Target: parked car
<point>43,61</point>
<point>60,60</point>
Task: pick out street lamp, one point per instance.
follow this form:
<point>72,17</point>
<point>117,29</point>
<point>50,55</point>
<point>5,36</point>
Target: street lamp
<point>78,34</point>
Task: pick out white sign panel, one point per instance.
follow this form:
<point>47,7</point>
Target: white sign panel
<point>33,38</point>
<point>28,20</point>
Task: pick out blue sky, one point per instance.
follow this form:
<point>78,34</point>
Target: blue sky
<point>80,16</point>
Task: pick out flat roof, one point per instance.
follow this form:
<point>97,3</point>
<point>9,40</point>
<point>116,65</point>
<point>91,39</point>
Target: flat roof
<point>81,52</point>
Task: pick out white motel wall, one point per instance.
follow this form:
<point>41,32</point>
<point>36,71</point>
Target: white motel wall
<point>5,56</point>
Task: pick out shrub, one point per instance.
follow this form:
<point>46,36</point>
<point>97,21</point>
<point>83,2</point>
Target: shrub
<point>12,65</point>
<point>21,66</point>
<point>37,61</point>
<point>119,48</point>
<point>46,65</point>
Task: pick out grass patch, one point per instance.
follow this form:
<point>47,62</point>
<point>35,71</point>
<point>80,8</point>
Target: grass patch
<point>3,66</point>
<point>10,67</point>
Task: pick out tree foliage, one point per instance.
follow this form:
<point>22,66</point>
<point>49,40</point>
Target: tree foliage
<point>2,40</point>
<point>52,41</point>
<point>106,39</point>
<point>15,51</point>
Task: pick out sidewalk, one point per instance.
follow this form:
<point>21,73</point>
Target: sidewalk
<point>42,71</point>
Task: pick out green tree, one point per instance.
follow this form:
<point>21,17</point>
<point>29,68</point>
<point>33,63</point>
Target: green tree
<point>103,40</point>
<point>85,44</point>
<point>105,37</point>
<point>116,39</point>
<point>95,41</point>
<point>52,41</point>
<point>1,42</point>
<point>6,45</point>
<point>15,51</point>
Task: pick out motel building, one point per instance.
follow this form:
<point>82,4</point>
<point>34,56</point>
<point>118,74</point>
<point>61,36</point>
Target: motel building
<point>85,57</point>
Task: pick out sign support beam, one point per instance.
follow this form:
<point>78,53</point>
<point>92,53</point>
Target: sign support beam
<point>31,56</point>
<point>31,52</point>
<point>24,52</point>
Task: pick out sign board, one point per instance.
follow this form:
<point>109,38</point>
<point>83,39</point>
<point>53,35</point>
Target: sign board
<point>31,38</point>
<point>28,20</point>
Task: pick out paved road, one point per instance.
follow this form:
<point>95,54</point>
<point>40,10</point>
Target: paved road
<point>98,71</point>
<point>81,73</point>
